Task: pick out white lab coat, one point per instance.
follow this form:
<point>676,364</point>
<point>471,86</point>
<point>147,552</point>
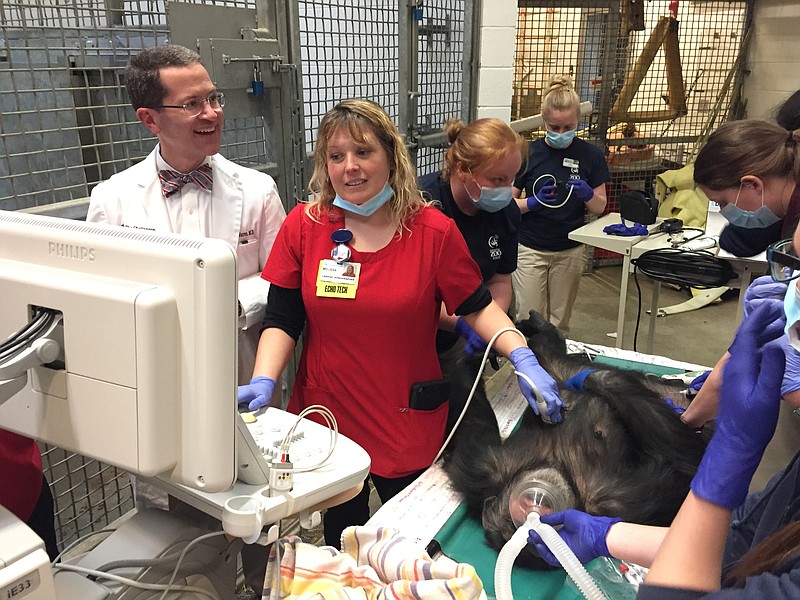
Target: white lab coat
<point>247,213</point>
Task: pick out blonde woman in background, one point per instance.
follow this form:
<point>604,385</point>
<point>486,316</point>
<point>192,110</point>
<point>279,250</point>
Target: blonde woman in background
<point>565,177</point>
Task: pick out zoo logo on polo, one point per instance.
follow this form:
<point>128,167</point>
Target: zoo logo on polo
<point>494,252</point>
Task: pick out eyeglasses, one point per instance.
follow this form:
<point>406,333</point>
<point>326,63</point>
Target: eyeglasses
<point>194,107</point>
<point>784,265</point>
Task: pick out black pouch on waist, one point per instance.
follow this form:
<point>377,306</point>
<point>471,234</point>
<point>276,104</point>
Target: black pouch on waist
<point>429,395</point>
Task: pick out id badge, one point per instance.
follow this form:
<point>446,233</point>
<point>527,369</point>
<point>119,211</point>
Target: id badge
<point>336,280</point>
<point>570,163</point>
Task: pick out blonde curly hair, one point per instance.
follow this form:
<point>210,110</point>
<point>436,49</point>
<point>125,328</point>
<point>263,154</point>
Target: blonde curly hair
<point>363,120</point>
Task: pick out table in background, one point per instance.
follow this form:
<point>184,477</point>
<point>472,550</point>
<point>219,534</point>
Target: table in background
<point>592,234</point>
<point>632,247</point>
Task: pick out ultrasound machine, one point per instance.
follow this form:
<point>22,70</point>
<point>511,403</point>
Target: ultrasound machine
<point>120,345</point>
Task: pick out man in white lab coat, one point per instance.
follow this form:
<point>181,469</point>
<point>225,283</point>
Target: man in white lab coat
<point>185,186</point>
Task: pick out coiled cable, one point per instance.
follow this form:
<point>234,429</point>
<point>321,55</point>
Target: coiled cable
<point>692,268</point>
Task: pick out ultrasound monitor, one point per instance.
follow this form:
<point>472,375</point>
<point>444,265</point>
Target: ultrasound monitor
<point>145,324</point>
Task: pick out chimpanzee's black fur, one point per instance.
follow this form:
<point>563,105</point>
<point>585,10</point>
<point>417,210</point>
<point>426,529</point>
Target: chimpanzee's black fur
<point>620,448</point>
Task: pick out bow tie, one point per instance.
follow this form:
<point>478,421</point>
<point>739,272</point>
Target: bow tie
<point>172,181</point>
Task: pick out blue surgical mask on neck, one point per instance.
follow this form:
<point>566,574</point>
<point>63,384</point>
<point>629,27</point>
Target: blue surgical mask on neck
<point>492,199</point>
<point>369,207</point>
<point>560,140</point>
<point>763,217</point>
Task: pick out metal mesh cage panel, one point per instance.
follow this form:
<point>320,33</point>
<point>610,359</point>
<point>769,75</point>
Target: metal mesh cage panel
<point>349,49</point>
<point>659,82</point>
<point>66,120</point>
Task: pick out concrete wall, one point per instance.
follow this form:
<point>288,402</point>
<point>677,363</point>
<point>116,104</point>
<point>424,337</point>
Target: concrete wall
<point>773,57</point>
<point>496,69</point>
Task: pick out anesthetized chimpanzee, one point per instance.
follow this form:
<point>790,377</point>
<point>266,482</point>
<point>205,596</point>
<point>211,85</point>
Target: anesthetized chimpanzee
<point>621,449</point>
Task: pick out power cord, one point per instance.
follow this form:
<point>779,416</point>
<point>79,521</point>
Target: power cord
<point>689,268</point>
<point>477,382</point>
<point>333,436</point>
<point>692,268</point>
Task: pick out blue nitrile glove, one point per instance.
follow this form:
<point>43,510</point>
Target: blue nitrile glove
<point>582,532</point>
<point>257,393</point>
<point>548,193</point>
<point>533,204</point>
<point>762,288</point>
<point>475,345</point>
<point>678,410</point>
<point>791,376</point>
<point>698,382</point>
<point>580,189</point>
<point>526,365</point>
<point>765,288</point>
<point>748,408</point>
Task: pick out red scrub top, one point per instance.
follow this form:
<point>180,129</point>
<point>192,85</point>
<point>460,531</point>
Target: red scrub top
<point>361,356</point>
<point>20,474</point>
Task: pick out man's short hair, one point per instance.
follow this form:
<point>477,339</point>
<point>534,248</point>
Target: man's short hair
<point>142,78</point>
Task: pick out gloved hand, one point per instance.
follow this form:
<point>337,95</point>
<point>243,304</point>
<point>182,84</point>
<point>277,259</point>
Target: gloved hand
<point>526,365</point>
<point>546,195</point>
<point>763,288</point>
<point>582,532</point>
<point>791,375</point>
<point>678,410</point>
<point>748,408</point>
<point>257,393</point>
<point>580,189</point>
<point>475,345</point>
<point>696,384</point>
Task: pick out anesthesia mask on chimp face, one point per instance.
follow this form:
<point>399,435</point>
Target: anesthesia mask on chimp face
<point>759,219</point>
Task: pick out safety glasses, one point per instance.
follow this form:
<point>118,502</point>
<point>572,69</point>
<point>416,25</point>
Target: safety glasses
<point>784,265</point>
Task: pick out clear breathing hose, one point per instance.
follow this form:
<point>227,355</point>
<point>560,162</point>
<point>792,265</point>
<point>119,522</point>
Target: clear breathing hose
<point>567,558</point>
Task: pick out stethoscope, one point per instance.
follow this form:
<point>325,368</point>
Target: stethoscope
<point>555,181</point>
<point>341,251</point>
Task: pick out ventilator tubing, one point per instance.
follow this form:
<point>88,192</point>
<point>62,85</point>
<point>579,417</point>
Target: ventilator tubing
<point>567,558</point>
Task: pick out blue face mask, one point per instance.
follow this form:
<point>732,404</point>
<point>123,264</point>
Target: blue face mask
<point>560,140</point>
<point>763,217</point>
<point>492,199</point>
<point>369,207</point>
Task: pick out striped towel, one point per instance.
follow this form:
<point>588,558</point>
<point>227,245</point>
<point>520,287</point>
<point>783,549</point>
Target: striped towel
<point>376,563</point>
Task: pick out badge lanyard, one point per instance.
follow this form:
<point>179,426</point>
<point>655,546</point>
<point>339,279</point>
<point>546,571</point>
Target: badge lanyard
<point>341,252</point>
<point>338,278</point>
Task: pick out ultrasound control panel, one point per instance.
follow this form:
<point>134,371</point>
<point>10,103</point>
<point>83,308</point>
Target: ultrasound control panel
<point>258,444</point>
